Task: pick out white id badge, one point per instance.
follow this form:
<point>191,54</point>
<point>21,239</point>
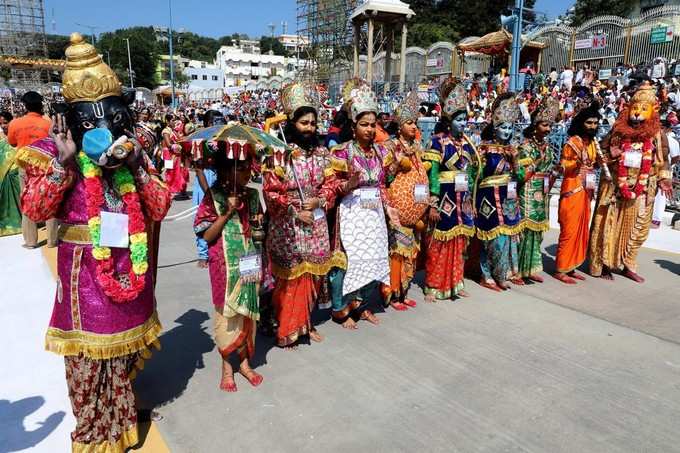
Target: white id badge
<point>632,159</point>
<point>421,193</point>
<point>512,190</point>
<point>169,164</point>
<point>461,183</point>
<point>249,265</point>
<point>590,181</point>
<point>319,214</point>
<point>114,230</point>
<point>546,184</point>
<point>369,197</point>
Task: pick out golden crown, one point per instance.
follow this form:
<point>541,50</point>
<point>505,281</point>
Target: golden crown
<point>645,93</point>
<point>296,95</point>
<point>505,110</point>
<point>87,77</point>
<point>547,110</point>
<point>408,109</point>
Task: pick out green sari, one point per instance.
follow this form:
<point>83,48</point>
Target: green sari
<point>10,191</point>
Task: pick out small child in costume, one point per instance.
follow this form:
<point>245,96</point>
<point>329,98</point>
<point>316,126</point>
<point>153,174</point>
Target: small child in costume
<point>225,220</point>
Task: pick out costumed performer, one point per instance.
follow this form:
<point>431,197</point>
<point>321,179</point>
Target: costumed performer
<point>99,183</point>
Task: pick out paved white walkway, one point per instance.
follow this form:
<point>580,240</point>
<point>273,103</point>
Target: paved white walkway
<point>35,412</point>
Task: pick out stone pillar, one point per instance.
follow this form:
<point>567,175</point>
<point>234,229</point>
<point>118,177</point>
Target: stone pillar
<point>369,65</point>
<point>402,62</point>
<point>388,58</point>
<point>357,43</point>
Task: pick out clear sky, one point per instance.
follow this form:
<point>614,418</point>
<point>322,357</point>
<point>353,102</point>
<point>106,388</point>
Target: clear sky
<point>206,17</point>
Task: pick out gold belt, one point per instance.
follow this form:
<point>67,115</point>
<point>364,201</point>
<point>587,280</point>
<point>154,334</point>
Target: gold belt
<point>449,175</point>
<point>494,181</point>
<point>75,234</point>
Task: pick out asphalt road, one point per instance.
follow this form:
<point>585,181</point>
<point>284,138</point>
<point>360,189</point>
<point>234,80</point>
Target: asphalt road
<point>542,368</point>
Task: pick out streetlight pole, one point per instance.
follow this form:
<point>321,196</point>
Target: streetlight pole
<point>132,82</point>
<point>516,46</point>
<point>172,65</point>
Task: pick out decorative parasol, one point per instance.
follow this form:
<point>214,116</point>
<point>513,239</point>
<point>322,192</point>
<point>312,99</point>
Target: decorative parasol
<point>236,141</point>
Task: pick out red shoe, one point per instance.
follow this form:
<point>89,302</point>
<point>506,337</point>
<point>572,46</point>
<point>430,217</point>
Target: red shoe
<point>518,281</point>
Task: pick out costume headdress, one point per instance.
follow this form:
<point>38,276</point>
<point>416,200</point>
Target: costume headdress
<point>363,101</point>
<point>87,77</point>
<point>505,109</point>
<point>452,96</point>
<point>644,93</point>
<point>408,109</point>
<point>547,110</point>
<point>296,95</point>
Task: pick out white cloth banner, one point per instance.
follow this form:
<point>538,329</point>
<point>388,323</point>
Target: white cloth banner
<point>364,237</point>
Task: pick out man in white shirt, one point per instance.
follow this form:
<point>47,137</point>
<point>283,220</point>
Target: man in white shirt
<point>660,200</point>
<point>566,78</point>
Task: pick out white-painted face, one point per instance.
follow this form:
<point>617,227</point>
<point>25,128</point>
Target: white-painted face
<point>458,123</point>
<point>504,132</point>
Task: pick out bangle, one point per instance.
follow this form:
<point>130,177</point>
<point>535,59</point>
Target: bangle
<point>664,174</point>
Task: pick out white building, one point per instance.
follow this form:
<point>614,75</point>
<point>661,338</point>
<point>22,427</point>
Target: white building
<point>248,69</point>
<point>293,43</point>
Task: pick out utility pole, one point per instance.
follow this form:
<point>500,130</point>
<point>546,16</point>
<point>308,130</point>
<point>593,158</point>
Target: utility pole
<point>172,65</point>
<point>132,82</point>
<point>91,27</point>
<point>516,45</point>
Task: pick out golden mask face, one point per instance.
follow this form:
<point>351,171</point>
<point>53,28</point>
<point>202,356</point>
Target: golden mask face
<point>641,111</point>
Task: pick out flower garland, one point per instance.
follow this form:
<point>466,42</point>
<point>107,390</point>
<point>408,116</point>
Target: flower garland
<point>645,167</point>
<point>125,185</point>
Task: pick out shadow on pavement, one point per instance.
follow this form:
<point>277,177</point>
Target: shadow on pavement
<point>13,434</point>
<point>669,266</point>
<point>167,373</point>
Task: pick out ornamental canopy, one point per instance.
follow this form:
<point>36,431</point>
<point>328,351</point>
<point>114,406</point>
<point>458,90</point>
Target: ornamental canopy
<point>495,43</point>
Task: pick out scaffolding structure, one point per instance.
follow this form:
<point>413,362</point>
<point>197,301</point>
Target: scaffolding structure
<point>325,26</point>
<point>22,34</point>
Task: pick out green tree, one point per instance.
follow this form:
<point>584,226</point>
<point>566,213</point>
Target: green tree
<point>585,10</point>
<point>268,43</point>
<point>195,47</point>
<point>144,51</point>
<point>452,20</point>
<point>56,45</point>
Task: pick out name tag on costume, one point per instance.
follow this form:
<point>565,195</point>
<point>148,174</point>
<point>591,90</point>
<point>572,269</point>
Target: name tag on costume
<point>421,193</point>
<point>461,183</point>
<point>591,181</point>
<point>169,164</point>
<point>250,265</point>
<point>512,190</point>
<point>319,214</point>
<point>369,197</point>
<point>114,230</point>
<point>632,159</point>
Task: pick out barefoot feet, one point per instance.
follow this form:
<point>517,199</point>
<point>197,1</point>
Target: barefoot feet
<point>564,278</point>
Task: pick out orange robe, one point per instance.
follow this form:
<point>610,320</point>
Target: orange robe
<point>574,210</point>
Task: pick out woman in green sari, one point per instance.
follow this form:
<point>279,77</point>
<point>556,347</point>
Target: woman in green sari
<point>10,191</point>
